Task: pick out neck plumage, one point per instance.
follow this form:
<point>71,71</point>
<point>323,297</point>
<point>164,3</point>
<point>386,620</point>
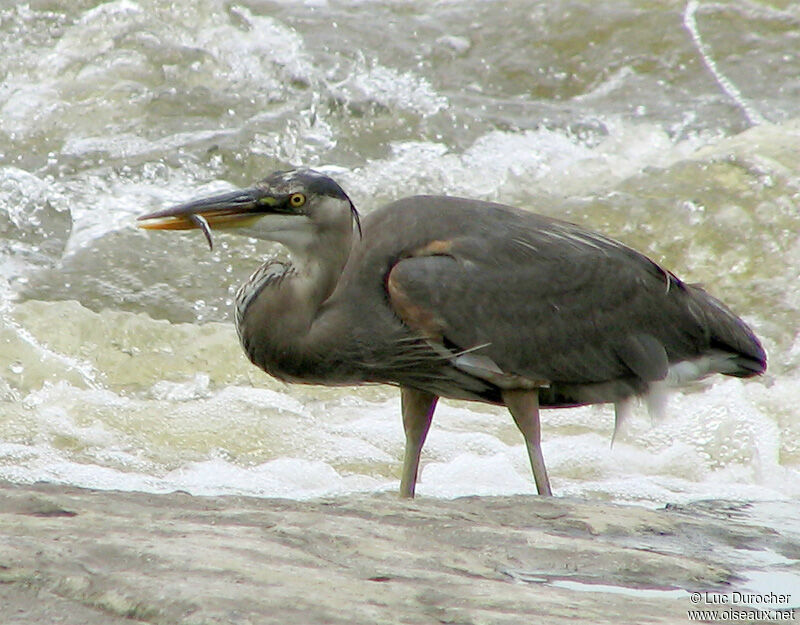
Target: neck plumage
<point>277,308</point>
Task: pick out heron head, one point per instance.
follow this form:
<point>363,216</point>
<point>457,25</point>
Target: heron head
<point>295,208</point>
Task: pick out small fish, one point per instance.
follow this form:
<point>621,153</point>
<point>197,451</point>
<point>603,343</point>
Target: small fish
<point>200,222</point>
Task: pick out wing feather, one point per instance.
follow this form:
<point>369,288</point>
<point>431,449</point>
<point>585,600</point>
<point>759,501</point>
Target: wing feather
<point>554,305</point>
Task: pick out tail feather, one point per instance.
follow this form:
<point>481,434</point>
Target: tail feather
<point>744,356</point>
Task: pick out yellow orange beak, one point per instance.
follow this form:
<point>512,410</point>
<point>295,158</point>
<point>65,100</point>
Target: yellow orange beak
<point>228,210</point>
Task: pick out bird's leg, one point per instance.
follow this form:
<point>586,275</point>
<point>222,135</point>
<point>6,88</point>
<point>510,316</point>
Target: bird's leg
<point>524,407</point>
<point>418,407</point>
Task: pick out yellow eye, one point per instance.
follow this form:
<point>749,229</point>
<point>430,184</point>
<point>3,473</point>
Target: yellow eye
<point>296,200</point>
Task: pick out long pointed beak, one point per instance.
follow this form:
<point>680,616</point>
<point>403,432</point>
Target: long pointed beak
<point>227,210</point>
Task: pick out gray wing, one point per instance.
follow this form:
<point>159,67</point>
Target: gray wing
<point>555,303</point>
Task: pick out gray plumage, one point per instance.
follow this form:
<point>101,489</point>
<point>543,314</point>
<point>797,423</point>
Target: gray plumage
<point>449,297</point>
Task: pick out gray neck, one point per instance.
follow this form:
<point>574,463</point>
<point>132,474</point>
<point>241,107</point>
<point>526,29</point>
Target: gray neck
<point>277,308</point>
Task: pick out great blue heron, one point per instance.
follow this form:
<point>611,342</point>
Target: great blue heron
<point>458,298</point>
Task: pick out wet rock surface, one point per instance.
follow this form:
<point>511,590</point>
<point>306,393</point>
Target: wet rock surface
<point>90,557</point>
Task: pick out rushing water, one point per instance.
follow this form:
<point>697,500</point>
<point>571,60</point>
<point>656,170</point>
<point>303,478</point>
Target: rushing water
<point>668,125</point>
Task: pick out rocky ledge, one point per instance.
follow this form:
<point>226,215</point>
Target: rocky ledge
<point>87,557</point>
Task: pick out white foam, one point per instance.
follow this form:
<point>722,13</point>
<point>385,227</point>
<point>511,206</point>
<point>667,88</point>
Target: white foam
<point>182,391</point>
<point>369,83</point>
<point>725,83</point>
<point>263,442</point>
<point>294,478</point>
<point>543,161</point>
<point>473,474</point>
